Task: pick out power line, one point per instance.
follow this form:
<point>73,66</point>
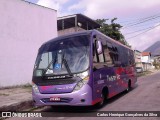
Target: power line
<point>149,23</point>
<point>143,32</point>
<point>140,19</point>
<point>137,31</point>
<point>130,25</point>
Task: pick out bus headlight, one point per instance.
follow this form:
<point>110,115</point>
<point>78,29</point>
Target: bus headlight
<point>81,83</point>
<point>83,74</point>
<point>35,88</point>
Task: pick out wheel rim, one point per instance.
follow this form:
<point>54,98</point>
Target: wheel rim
<point>102,101</point>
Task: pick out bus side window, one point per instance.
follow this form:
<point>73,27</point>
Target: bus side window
<point>95,56</point>
<point>107,54</point>
<point>131,57</point>
<point>115,56</point>
<point>98,52</point>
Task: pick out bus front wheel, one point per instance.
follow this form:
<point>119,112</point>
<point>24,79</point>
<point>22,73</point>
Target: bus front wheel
<point>101,103</point>
<point>103,98</point>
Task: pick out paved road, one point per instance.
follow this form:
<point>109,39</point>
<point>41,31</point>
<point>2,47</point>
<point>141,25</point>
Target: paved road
<point>144,97</point>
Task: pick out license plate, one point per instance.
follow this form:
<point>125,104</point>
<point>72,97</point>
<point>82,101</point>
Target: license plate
<point>55,99</point>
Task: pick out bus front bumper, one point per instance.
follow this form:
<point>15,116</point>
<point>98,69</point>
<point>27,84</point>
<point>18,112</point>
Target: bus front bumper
<point>82,97</point>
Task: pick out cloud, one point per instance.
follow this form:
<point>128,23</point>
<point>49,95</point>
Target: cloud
<point>122,9</point>
<point>48,3</point>
<point>54,4</point>
<point>113,8</point>
<point>145,40</point>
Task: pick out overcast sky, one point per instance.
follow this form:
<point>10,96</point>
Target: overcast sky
<point>140,18</point>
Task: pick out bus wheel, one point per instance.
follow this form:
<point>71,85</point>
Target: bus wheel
<point>129,86</point>
<point>101,103</point>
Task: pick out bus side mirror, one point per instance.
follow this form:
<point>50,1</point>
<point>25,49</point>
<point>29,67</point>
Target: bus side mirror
<point>99,47</point>
<point>94,69</point>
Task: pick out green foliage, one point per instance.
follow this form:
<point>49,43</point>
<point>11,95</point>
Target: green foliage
<point>156,64</point>
<point>112,30</point>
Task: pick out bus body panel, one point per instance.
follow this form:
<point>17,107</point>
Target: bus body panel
<point>83,97</point>
<point>115,79</point>
<point>116,83</point>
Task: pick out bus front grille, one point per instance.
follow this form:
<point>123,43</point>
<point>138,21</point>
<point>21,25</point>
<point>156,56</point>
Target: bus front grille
<point>55,82</point>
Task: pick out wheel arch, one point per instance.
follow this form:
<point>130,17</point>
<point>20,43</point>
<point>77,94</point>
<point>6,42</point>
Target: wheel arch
<point>105,91</point>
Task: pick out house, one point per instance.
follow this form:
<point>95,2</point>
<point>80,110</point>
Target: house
<point>146,61</point>
<point>74,23</point>
<point>24,26</point>
<point>138,59</point>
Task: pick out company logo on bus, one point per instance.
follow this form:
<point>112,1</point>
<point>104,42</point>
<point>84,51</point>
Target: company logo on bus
<point>64,88</point>
<point>113,78</point>
<point>55,77</point>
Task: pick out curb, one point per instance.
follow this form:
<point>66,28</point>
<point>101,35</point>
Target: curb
<point>19,106</point>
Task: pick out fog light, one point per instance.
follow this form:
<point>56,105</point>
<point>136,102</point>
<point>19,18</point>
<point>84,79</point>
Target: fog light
<point>82,100</point>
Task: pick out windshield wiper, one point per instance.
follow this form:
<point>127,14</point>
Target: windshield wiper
<point>67,67</point>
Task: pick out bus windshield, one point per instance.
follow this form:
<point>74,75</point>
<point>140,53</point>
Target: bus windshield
<point>64,56</point>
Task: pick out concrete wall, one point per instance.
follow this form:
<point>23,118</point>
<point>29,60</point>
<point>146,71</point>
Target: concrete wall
<point>23,28</point>
<point>138,56</point>
<point>147,64</point>
<point>146,59</point>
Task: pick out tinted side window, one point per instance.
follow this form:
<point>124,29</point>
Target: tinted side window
<point>111,55</point>
<point>95,55</point>
<point>108,58</point>
<point>131,57</point>
<point>98,52</point>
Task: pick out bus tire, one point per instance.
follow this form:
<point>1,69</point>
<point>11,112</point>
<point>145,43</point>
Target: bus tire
<point>103,97</point>
<point>129,86</point>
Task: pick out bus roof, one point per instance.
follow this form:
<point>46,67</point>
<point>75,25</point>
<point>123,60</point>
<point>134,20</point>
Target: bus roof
<point>86,32</point>
<point>113,40</point>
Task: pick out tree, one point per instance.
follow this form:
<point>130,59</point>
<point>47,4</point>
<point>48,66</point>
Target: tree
<point>112,30</point>
<point>156,64</point>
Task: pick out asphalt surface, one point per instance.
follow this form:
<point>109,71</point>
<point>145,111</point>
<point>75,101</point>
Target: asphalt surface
<point>144,97</point>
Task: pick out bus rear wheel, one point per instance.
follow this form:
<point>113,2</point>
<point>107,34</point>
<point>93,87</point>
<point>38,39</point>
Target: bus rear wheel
<point>129,86</point>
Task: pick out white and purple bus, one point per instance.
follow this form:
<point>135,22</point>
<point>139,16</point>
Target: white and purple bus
<point>82,69</point>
